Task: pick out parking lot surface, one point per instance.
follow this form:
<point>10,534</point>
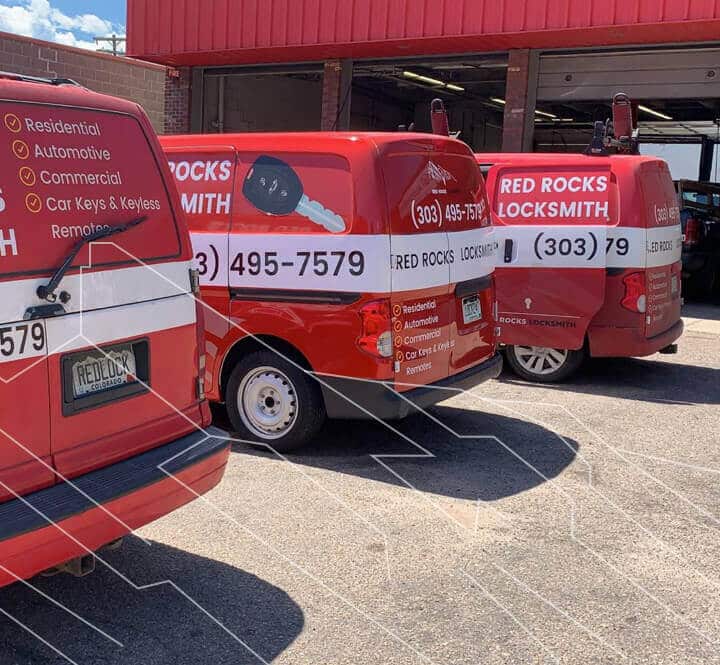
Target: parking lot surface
<point>517,524</point>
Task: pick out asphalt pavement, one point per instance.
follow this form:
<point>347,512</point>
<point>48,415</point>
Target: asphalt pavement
<point>515,524</point>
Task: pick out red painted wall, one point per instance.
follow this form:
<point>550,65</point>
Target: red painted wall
<point>243,31</point>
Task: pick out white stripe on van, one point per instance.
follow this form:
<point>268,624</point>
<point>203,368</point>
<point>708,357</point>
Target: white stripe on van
<point>78,331</point>
<point>352,263</point>
<point>589,246</point>
<point>106,288</point>
<point>82,330</point>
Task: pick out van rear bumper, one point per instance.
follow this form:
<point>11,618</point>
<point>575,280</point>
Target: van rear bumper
<point>347,398</point>
<point>609,342</point>
<point>49,527</point>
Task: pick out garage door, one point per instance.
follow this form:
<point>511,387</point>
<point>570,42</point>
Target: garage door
<point>650,74</point>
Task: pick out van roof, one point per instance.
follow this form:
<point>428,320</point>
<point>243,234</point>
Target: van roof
<point>560,158</point>
<point>62,92</point>
<point>303,140</point>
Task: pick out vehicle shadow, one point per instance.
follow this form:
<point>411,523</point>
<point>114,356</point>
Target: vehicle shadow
<point>637,379</point>
<point>155,625</point>
<point>496,457</point>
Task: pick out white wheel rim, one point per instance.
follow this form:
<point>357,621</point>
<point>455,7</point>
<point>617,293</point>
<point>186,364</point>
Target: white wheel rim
<point>540,360</point>
<point>268,403</point>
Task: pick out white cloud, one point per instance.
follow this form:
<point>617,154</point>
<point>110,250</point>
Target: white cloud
<point>38,18</point>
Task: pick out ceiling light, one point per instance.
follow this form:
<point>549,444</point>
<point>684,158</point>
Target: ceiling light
<point>497,100</point>
<point>456,88</point>
<point>424,79</point>
<point>546,115</point>
<point>657,114</point>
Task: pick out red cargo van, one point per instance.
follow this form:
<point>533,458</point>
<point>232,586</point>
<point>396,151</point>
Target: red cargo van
<point>96,414</point>
<point>589,260</point>
<point>366,259</point>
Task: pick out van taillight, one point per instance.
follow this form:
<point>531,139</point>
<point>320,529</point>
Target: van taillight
<point>635,297</point>
<point>376,335</point>
<point>693,230</point>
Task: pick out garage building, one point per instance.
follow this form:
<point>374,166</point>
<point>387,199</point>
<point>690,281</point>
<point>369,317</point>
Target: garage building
<point>516,75</point>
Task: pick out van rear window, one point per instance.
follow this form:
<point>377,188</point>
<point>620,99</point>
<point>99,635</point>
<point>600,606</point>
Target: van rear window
<point>70,171</point>
<point>661,200</point>
<point>293,192</point>
<point>433,191</point>
<point>555,195</point>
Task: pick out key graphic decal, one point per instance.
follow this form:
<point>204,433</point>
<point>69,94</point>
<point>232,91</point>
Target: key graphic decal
<point>273,187</point>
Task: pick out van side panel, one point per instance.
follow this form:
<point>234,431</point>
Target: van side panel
<point>244,252</point>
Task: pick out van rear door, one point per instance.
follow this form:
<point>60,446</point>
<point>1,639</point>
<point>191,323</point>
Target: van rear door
<point>442,258</point>
<point>121,338</point>
<point>552,222</point>
<point>25,462</point>
<point>663,248</point>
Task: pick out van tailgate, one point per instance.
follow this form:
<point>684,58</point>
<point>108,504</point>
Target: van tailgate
<point>121,337</point>
<point>440,238</point>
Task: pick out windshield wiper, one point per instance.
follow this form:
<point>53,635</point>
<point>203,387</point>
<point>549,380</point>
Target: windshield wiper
<point>47,291</point>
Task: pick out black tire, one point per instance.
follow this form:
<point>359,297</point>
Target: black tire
<point>518,362</point>
<point>271,383</point>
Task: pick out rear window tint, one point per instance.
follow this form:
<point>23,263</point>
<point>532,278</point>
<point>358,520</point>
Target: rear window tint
<point>661,200</point>
<point>293,192</point>
<point>69,171</point>
<point>430,192</point>
<point>205,180</point>
<point>573,195</point>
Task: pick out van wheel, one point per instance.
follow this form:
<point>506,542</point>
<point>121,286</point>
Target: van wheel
<point>542,364</point>
<point>273,402</point>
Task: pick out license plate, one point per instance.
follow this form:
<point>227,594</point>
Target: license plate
<point>471,309</point>
<point>94,374</point>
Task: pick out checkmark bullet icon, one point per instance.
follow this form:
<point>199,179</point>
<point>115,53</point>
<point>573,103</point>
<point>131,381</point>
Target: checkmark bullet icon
<point>20,149</point>
<point>12,122</point>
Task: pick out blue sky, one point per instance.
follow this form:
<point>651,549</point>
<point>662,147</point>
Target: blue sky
<point>112,10</point>
<point>71,22</point>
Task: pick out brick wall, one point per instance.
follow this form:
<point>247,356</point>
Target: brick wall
<point>337,82</point>
<point>140,82</point>
<point>177,101</point>
<point>520,95</point>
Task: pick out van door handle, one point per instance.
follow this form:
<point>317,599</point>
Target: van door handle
<point>44,312</point>
<point>508,250</point>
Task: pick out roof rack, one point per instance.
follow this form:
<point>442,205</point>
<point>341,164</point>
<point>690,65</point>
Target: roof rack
<point>37,79</point>
<point>619,135</point>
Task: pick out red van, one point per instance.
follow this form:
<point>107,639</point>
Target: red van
<point>365,260</point>
<point>589,260</point>
<point>101,429</point>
